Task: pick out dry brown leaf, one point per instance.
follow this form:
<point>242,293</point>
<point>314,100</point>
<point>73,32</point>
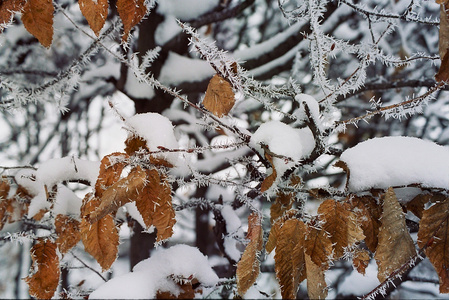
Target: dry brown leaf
<point>274,232</point>
<point>155,205</point>
<point>100,239</point>
<point>290,268</point>
<point>319,246</point>
<point>283,203</point>
<point>416,205</point>
<point>395,247</point>
<point>95,12</point>
<point>368,214</point>
<point>37,17</point>
<point>341,224</point>
<point>7,10</point>
<point>123,191</point>
<point>433,235</point>
<point>110,171</point>
<point>131,12</point>
<point>45,278</point>
<point>186,287</point>
<point>248,266</point>
<point>68,232</point>
<point>219,98</point>
<point>270,179</point>
<point>360,260</point>
<point>316,284</point>
<point>134,143</point>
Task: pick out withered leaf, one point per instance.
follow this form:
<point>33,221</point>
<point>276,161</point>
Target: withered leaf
<point>270,179</point>
<point>248,266</point>
<point>45,275</point>
<point>123,191</point>
<point>341,224</point>
<point>7,10</point>
<point>95,12</point>
<point>319,246</point>
<point>111,168</point>
<point>68,232</point>
<point>155,204</point>
<point>416,205</point>
<point>100,239</point>
<point>37,17</point>
<point>360,260</point>
<point>219,98</point>
<point>316,284</point>
<point>187,290</point>
<point>274,232</point>
<point>131,12</point>
<point>443,72</point>
<point>283,203</point>
<point>395,247</point>
<point>433,235</point>
<point>289,262</point>
<point>368,214</point>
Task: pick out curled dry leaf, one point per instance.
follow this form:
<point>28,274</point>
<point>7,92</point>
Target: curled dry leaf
<point>4,202</point>
<point>95,12</point>
<point>101,238</point>
<point>131,12</point>
<point>37,17</point>
<point>319,246</point>
<point>443,73</point>
<point>316,283</point>
<point>248,266</point>
<point>155,204</point>
<point>416,205</point>
<point>68,232</point>
<point>111,168</point>
<point>219,98</point>
<point>433,236</point>
<point>270,179</point>
<point>341,224</point>
<point>360,260</point>
<point>274,232</point>
<point>123,191</point>
<point>45,276</point>
<point>368,214</point>
<point>395,247</point>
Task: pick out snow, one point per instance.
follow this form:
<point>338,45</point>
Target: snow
<point>156,130</point>
<point>284,140</point>
<point>186,9</point>
<point>358,284</point>
<point>396,161</point>
<point>178,69</point>
<point>233,228</point>
<point>313,106</point>
<point>168,29</point>
<point>135,88</point>
<point>152,275</point>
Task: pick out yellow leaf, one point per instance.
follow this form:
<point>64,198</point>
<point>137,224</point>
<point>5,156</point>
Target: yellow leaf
<point>433,235</point>
<point>68,232</point>
<point>316,285</point>
<point>45,278</point>
<point>319,246</point>
<point>37,17</point>
<point>155,205</point>
<point>395,247</point>
<point>219,98</point>
<point>101,238</point>
<point>131,12</point>
<point>360,260</point>
<point>289,258</point>
<point>7,10</point>
<point>95,12</point>
<point>123,191</point>
<point>368,214</point>
<point>341,224</point>
<point>248,266</point>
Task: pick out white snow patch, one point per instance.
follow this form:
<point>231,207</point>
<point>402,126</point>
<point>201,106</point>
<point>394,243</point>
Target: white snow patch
<point>313,106</point>
<point>152,275</point>
<point>233,228</point>
<point>156,130</point>
<point>284,140</point>
<point>186,9</point>
<point>397,161</point>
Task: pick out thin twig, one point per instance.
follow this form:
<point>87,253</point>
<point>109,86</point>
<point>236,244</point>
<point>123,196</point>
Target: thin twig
<point>87,266</point>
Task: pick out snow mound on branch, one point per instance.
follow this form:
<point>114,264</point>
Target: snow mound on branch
<point>285,141</point>
<point>186,9</point>
<point>396,161</point>
<point>153,275</point>
<point>313,106</point>
<point>156,130</point>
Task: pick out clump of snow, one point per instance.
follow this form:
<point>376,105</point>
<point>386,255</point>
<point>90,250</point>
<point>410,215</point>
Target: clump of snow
<point>153,274</point>
<point>313,106</point>
<point>396,161</point>
<point>156,130</point>
<point>284,140</point>
<point>186,9</point>
<point>67,203</point>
